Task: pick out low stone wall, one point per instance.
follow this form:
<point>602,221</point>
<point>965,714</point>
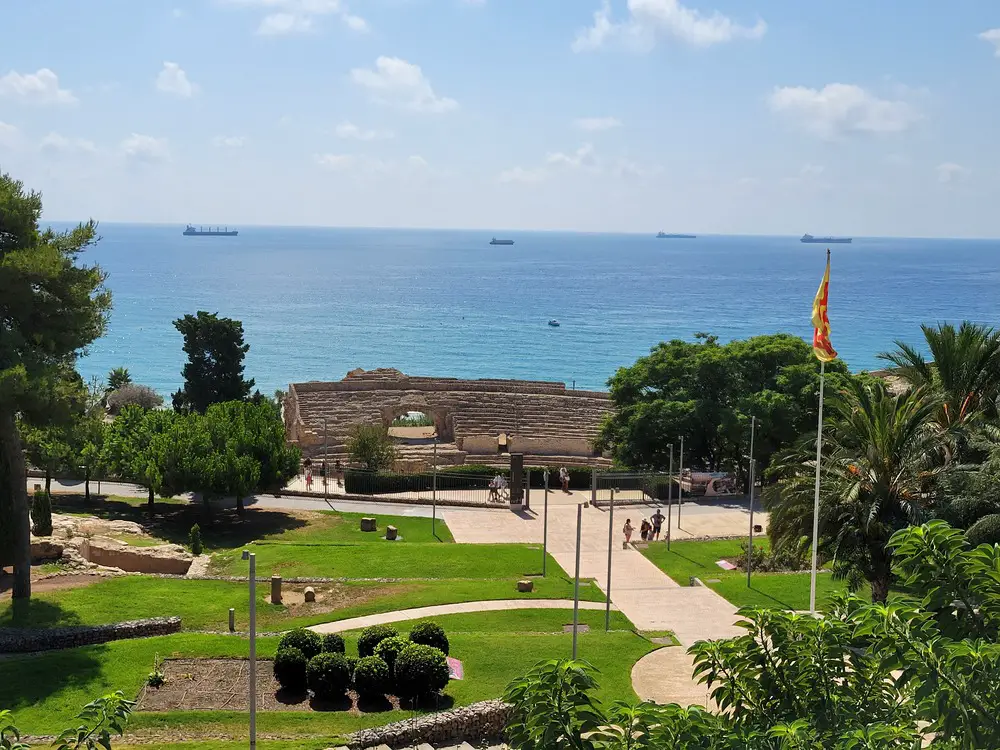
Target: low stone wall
<point>23,640</point>
<point>165,558</point>
<point>473,724</point>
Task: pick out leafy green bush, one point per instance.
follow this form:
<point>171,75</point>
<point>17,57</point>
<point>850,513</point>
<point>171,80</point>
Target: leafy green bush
<point>963,512</point>
<point>420,670</point>
<point>985,531</point>
<point>352,662</point>
<point>41,514</point>
<point>370,637</point>
<point>333,643</point>
<point>389,649</point>
<point>328,675</point>
<point>154,679</point>
<point>306,641</point>
<point>290,668</point>
<point>371,676</point>
<point>430,634</point>
<point>194,539</point>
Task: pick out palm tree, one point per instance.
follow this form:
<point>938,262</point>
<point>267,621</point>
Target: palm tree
<point>118,378</point>
<point>878,457</point>
<point>964,371</point>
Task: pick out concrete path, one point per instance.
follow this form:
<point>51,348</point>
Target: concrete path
<point>498,605</point>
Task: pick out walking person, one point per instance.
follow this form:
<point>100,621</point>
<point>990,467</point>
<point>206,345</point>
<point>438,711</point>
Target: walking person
<point>564,478</point>
<point>657,524</point>
<point>309,480</point>
<point>644,529</point>
<point>627,530</point>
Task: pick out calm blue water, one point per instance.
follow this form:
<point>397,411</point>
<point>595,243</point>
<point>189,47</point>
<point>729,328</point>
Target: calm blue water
<point>316,303</point>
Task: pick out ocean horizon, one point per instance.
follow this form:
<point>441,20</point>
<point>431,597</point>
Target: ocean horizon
<point>316,302</point>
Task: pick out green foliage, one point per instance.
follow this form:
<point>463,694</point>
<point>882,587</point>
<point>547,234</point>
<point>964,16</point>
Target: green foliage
<point>985,531</point>
<point>290,668</point>
<point>214,370</point>
<point>306,641</point>
<point>328,675</point>
<point>333,643</point>
<point>963,512</point>
<point>194,540</point>
<point>156,678</point>
<point>420,670</point>
<point>373,635</point>
<point>99,720</point>
<point>371,445</point>
<point>41,514</point>
<point>118,378</point>
<point>430,634</point>
<point>707,392</point>
<point>371,676</point>
<point>553,707</point>
<point>389,648</point>
<point>10,737</point>
<point>133,394</point>
<point>421,420</point>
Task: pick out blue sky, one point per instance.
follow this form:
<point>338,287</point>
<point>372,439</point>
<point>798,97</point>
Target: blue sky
<point>734,116</point>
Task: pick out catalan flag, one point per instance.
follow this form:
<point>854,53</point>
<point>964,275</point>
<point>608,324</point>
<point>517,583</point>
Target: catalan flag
<point>822,347</point>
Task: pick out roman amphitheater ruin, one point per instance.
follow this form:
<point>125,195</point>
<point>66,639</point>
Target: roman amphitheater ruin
<point>476,421</point>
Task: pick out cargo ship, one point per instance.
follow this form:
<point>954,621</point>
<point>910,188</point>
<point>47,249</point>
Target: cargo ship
<point>808,238</point>
<point>665,236</point>
<point>495,241</point>
<point>191,231</point>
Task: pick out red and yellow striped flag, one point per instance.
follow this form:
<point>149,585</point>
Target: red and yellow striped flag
<point>822,347</point>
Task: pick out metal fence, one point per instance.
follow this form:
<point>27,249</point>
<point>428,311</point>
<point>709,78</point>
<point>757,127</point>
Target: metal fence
<point>458,487</point>
<point>634,488</point>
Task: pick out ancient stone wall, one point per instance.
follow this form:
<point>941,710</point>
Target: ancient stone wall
<point>23,640</point>
<point>165,558</point>
<point>477,723</point>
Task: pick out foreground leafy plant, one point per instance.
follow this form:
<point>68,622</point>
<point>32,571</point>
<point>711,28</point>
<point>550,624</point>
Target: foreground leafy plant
<point>102,717</point>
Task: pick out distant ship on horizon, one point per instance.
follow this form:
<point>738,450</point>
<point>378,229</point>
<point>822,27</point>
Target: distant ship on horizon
<point>808,238</point>
<point>665,236</point>
<point>495,241</point>
<point>191,231</point>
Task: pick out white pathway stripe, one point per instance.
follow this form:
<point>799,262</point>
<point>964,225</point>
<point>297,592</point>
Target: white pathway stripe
<point>417,613</point>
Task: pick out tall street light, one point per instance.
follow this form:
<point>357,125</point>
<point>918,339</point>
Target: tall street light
<point>670,493</point>
<point>253,647</point>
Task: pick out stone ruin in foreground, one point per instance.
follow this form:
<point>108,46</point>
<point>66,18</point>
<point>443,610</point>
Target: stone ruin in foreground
<point>477,421</point>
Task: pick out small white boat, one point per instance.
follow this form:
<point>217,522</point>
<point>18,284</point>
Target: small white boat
<point>554,323</point>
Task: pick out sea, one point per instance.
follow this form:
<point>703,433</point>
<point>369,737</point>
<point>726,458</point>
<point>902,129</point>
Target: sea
<point>318,302</point>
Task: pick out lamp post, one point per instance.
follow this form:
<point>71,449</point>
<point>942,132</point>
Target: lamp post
<point>611,521</point>
<point>680,478</point>
<point>545,524</point>
<point>753,427</point>
<point>434,490</point>
<point>253,647</point>
<point>326,456</point>
<point>670,493</point>
<point>576,580</point>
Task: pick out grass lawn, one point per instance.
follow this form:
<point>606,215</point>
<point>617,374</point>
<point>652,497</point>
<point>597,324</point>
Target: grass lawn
<point>204,605</point>
<point>388,560</point>
<point>46,690</point>
<point>784,590</point>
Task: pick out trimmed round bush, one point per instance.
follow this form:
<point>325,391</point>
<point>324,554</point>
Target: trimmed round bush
<point>985,531</point>
<point>371,676</point>
<point>430,634</point>
<point>352,662</point>
<point>372,636</point>
<point>963,512</point>
<point>306,641</point>
<point>333,643</point>
<point>389,649</point>
<point>328,675</point>
<point>290,668</point>
<point>420,670</point>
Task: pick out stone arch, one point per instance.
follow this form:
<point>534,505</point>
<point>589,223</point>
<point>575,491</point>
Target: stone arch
<point>440,414</point>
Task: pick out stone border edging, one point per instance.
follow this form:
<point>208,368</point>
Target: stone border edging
<point>477,722</point>
<point>26,640</point>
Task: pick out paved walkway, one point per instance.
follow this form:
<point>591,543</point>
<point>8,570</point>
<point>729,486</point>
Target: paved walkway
<point>498,605</point>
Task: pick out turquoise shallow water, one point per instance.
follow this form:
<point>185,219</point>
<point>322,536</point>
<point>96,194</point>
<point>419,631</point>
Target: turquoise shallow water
<point>316,303</point>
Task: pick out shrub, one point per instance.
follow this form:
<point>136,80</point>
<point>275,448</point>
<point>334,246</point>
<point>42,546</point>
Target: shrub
<point>333,643</point>
<point>139,395</point>
<point>352,662</point>
<point>430,634</point>
<point>420,670</point>
<point>371,445</point>
<point>372,636</point>
<point>41,514</point>
<point>154,679</point>
<point>328,675</point>
<point>290,669</point>
<point>985,531</point>
<point>371,676</point>
<point>963,512</point>
<point>389,649</point>
<point>194,539</point>
<point>306,641</point>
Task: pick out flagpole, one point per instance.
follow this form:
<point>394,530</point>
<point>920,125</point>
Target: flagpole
<point>819,453</point>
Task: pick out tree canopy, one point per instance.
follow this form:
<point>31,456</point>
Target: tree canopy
<point>214,370</point>
<point>51,307</point>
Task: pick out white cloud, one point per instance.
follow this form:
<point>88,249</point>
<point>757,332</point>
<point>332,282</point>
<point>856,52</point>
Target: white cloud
<point>520,174</point>
<point>299,16</point>
<point>950,173</point>
<point>54,142</point>
<point>649,19</point>
<point>812,170</point>
<point>348,130</point>
<point>41,87</point>
<point>230,141</point>
<point>397,81</point>
<point>145,148</point>
<point>582,157</point>
<point>9,135</point>
<point>173,80</point>
<point>993,37</point>
<point>417,161</point>
<point>356,23</point>
<point>626,168</point>
<point>278,24</point>
<point>335,162</point>
<point>361,165</point>
<point>598,123</point>
<point>840,109</point>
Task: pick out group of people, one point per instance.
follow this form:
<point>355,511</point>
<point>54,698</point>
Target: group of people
<point>649,530</point>
<point>499,483</point>
<point>337,472</point>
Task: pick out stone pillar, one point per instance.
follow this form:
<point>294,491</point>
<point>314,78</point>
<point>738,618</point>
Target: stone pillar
<point>232,620</point>
<point>275,589</point>
<point>368,524</point>
<point>310,594</point>
<point>391,533</point>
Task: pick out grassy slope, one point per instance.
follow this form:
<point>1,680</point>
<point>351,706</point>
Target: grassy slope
<point>784,590</point>
<point>494,647</point>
